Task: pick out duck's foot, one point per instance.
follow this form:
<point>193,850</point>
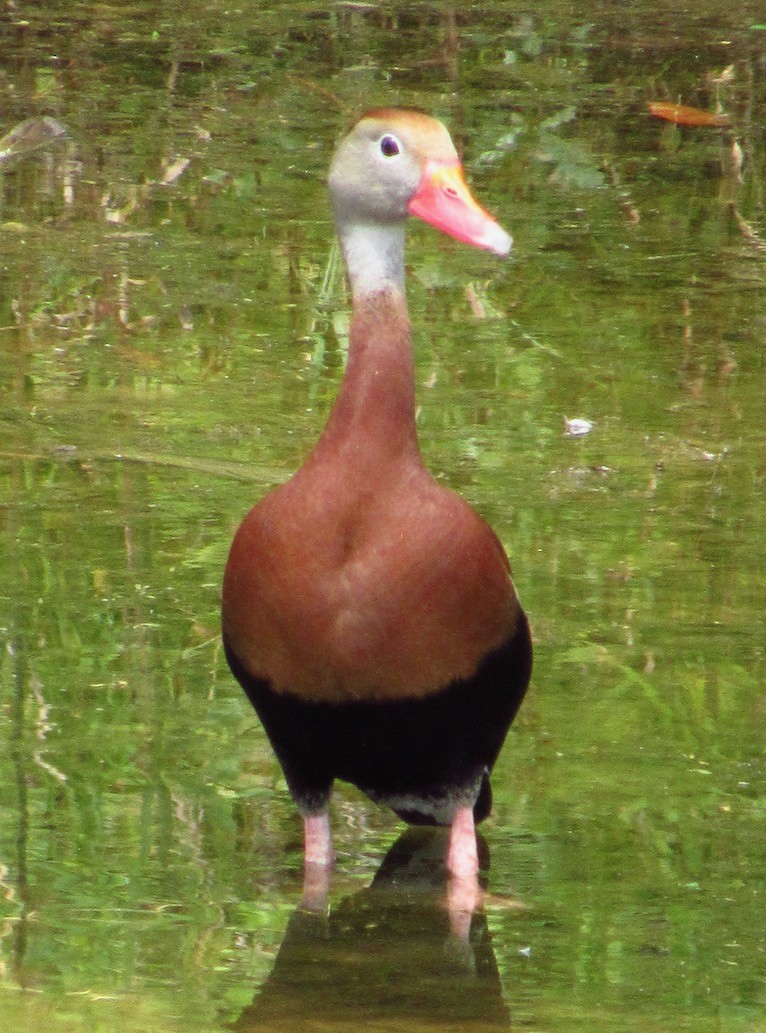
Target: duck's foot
<point>464,897</point>
<point>316,887</point>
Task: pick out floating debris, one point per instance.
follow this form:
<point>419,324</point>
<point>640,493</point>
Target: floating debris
<point>34,134</point>
<point>683,115</point>
<point>174,170</point>
<point>577,428</point>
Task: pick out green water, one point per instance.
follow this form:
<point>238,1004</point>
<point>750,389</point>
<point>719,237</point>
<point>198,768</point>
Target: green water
<point>171,339</point>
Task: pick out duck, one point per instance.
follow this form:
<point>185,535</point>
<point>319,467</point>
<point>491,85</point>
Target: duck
<point>368,612</point>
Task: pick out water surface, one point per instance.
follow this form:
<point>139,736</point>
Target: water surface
<point>172,328</point>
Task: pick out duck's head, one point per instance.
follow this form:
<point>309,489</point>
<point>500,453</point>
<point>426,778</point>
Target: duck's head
<point>396,162</point>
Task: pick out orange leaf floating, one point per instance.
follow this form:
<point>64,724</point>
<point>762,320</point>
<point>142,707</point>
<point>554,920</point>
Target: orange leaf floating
<point>683,115</point>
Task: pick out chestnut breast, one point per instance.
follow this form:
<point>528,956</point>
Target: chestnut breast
<point>340,588</point>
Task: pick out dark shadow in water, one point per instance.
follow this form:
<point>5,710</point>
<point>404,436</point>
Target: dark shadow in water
<point>385,957</point>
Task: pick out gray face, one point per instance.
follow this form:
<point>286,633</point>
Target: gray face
<point>377,168</point>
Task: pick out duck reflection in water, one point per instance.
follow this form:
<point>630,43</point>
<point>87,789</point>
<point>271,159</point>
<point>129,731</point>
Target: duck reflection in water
<point>391,956</point>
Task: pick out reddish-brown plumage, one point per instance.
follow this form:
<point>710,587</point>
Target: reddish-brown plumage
<point>362,578</point>
<point>368,611</point>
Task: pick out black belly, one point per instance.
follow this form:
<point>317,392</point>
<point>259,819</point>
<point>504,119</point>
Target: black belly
<point>421,757</point>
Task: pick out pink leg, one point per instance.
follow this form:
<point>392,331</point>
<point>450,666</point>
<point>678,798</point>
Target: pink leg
<point>317,861</point>
<point>464,894</point>
<point>317,839</point>
<point>464,897</point>
<point>462,854</point>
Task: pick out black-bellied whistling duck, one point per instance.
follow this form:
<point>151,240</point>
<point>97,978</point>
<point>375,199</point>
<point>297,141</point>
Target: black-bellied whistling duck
<point>369,612</point>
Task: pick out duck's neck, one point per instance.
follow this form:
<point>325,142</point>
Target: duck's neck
<point>373,419</point>
<point>374,256</point>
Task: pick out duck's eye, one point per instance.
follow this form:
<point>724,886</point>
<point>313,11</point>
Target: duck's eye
<point>389,146</point>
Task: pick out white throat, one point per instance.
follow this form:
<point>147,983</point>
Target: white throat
<point>374,256</point>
